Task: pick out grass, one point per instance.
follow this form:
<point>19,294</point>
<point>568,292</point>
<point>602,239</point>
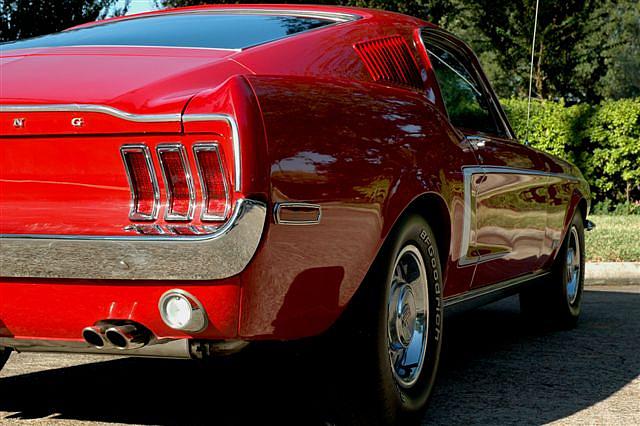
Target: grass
<point>615,239</point>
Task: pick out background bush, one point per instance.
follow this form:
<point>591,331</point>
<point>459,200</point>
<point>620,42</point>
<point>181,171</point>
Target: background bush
<point>603,140</point>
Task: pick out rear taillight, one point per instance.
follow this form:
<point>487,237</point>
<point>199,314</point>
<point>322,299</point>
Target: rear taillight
<point>181,196</point>
<point>213,181</point>
<point>145,196</point>
<point>178,183</point>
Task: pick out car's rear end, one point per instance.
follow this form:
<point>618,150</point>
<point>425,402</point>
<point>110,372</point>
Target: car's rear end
<point>136,183</point>
<point>134,223</point>
<point>131,198</point>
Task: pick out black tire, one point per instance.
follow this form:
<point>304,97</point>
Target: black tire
<point>383,397</point>
<point>4,356</point>
<point>558,301</point>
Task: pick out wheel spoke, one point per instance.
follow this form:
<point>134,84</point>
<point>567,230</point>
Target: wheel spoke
<point>397,274</point>
<point>407,316</point>
<point>397,356</point>
<point>573,265</point>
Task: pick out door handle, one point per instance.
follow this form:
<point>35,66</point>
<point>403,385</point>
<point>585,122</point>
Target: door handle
<point>477,141</point>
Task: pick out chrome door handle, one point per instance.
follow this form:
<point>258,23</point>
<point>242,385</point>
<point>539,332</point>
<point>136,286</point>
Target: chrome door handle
<point>477,141</point>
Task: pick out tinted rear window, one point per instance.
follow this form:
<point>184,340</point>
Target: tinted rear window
<point>199,30</point>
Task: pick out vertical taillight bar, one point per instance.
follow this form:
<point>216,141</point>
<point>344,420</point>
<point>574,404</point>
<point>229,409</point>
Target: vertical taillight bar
<point>145,195</point>
<point>181,196</point>
<point>215,189</point>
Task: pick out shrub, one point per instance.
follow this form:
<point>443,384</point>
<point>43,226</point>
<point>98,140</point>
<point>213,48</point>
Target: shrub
<point>603,140</point>
<point>553,128</point>
<point>613,162</point>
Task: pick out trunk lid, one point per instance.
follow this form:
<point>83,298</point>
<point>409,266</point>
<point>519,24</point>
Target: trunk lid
<point>65,114</point>
<point>129,82</point>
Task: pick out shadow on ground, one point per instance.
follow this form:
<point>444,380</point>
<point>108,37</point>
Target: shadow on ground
<point>495,371</point>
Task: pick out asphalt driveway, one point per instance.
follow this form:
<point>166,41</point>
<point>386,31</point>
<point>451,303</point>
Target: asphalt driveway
<point>495,371</point>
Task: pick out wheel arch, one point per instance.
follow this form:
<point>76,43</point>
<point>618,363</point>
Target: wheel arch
<point>583,207</point>
<point>434,210</point>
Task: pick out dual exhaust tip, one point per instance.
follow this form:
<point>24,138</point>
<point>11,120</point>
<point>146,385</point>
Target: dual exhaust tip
<point>124,336</point>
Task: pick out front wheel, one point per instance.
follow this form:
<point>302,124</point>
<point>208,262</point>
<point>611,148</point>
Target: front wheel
<point>560,298</point>
<point>395,327</point>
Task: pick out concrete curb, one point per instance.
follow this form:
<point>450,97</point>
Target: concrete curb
<point>598,273</point>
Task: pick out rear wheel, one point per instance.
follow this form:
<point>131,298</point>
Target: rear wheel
<point>560,298</point>
<point>394,328</point>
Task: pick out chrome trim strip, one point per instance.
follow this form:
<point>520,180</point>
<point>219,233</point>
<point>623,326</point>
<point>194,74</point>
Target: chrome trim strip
<point>204,215</point>
<point>192,118</point>
<point>485,291</point>
<point>133,213</point>
<point>100,109</point>
<point>331,16</point>
<point>513,170</point>
<point>219,255</point>
<point>291,205</point>
<point>143,118</point>
<point>179,148</point>
<point>468,220</point>
<point>141,46</point>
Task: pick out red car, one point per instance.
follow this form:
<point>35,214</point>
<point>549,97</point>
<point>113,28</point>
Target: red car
<point>184,182</point>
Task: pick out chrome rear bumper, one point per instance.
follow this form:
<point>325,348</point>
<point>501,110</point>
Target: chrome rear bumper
<point>222,254</point>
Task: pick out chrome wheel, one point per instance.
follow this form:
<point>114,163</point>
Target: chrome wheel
<point>407,316</point>
<point>574,265</point>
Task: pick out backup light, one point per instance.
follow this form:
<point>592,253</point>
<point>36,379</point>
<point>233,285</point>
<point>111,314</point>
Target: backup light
<point>182,311</point>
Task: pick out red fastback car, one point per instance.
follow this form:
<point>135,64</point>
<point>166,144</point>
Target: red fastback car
<point>184,182</point>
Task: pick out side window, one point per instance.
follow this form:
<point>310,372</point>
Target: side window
<point>466,102</point>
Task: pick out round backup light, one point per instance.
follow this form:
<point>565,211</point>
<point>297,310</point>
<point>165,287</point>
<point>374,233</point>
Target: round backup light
<point>182,311</point>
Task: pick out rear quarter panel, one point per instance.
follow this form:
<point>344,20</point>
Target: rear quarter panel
<point>363,152</point>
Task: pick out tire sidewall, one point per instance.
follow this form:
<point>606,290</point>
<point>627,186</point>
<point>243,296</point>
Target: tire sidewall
<point>573,309</point>
<point>410,401</point>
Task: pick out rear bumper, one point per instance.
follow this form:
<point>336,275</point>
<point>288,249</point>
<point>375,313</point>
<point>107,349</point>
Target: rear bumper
<point>219,255</point>
<point>59,310</point>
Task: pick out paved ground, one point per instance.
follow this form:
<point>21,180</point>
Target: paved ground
<point>496,371</point>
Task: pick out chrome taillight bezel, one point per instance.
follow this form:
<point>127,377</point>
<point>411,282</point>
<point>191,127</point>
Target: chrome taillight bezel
<point>204,215</point>
<point>179,148</point>
<point>134,214</point>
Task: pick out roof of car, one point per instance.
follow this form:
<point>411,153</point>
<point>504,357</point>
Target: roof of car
<point>337,13</point>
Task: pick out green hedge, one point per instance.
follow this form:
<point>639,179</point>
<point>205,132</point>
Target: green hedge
<point>603,140</point>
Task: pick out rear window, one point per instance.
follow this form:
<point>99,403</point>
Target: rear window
<point>196,30</point>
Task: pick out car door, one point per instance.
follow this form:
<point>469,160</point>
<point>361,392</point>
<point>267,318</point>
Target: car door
<point>505,195</point>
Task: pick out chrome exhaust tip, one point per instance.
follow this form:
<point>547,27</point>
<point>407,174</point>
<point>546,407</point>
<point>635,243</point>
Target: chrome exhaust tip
<point>94,336</point>
<point>128,336</point>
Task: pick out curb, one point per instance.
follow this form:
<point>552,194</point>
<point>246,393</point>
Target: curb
<point>598,273</point>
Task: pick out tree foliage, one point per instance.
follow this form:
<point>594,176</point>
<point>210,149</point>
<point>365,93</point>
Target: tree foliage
<point>609,52</point>
<point>30,18</point>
